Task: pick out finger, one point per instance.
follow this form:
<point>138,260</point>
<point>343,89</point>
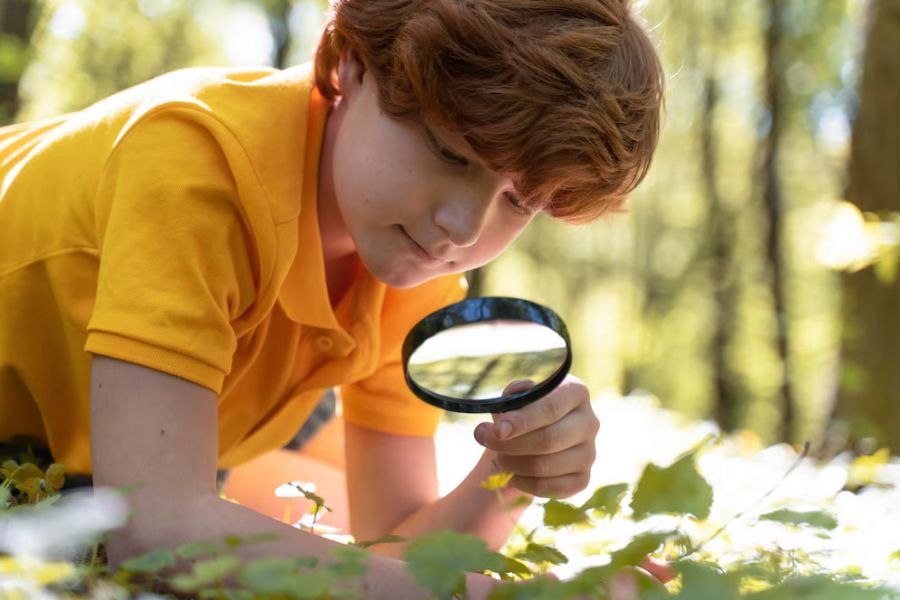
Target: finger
<point>555,487</point>
<point>548,410</point>
<point>575,428</point>
<point>573,460</point>
<point>662,571</point>
<point>519,385</point>
<point>623,586</point>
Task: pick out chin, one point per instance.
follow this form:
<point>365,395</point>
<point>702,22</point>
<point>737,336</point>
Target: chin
<point>403,279</point>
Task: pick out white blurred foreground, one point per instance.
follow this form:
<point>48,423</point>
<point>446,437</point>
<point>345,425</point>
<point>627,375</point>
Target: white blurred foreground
<point>635,431</point>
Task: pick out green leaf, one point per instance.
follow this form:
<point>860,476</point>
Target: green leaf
<point>560,514</point>
<point>815,518</point>
<point>215,569</point>
<point>520,501</point>
<point>184,583</point>
<point>676,489</point>
<point>269,575</point>
<point>817,587</point>
<point>195,549</point>
<point>234,594</point>
<point>539,553</point>
<point>639,547</point>
<point>318,500</point>
<point>311,584</point>
<point>438,561</point>
<point>151,562</point>
<point>237,540</point>
<point>25,472</point>
<point>385,539</point>
<point>4,498</point>
<point>512,566</point>
<point>607,499</point>
<point>131,487</point>
<point>706,582</point>
<point>351,564</point>
<point>8,467</point>
<point>540,588</point>
<point>56,476</point>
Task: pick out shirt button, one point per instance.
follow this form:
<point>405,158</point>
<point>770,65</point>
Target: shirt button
<point>324,343</point>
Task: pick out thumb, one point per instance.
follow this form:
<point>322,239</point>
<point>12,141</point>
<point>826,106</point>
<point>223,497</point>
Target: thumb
<point>519,385</point>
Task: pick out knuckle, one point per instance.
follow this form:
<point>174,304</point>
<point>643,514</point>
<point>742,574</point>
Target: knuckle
<point>550,411</point>
<point>548,439</point>
<point>543,488</point>
<point>575,387</point>
<point>583,480</point>
<point>534,485</point>
<point>514,419</point>
<point>542,467</point>
<point>576,483</point>
<point>591,454</point>
<point>504,463</point>
<point>595,425</point>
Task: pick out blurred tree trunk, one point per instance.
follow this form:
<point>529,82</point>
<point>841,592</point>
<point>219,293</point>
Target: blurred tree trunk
<point>17,19</point>
<point>720,236</point>
<point>774,90</point>
<point>869,398</point>
<point>475,279</point>
<point>278,13</point>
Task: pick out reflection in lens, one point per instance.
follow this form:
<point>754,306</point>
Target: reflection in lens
<point>477,361</point>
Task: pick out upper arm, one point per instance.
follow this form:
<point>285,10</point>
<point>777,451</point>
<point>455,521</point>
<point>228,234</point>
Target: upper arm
<point>154,429</point>
<point>389,477</point>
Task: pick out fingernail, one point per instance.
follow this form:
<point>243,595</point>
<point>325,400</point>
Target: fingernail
<point>503,429</point>
<point>479,434</point>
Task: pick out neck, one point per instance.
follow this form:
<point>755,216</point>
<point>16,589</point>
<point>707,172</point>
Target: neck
<point>337,245</point>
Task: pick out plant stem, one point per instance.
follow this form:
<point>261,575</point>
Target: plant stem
<point>790,470</point>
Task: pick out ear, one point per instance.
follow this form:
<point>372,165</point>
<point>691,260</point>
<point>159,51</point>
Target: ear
<point>350,72</point>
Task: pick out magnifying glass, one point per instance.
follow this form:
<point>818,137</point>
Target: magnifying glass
<point>461,357</point>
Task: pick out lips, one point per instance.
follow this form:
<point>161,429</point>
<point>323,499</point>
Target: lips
<point>420,251</point>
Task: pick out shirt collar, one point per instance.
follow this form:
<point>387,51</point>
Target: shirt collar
<point>304,294</point>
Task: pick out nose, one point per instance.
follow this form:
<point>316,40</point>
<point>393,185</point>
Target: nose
<point>463,217</point>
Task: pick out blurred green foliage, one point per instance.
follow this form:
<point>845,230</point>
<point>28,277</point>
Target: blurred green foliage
<point>675,295</point>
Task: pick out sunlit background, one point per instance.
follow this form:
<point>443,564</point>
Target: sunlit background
<point>722,292</point>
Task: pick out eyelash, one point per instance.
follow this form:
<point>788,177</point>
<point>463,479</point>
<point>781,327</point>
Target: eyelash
<point>461,161</point>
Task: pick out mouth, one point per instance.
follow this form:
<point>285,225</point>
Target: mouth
<point>419,250</point>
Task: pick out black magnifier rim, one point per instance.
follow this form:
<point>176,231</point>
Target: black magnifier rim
<point>477,310</point>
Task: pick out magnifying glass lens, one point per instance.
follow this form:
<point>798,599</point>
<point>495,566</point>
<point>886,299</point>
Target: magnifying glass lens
<point>477,361</point>
<point>463,356</point>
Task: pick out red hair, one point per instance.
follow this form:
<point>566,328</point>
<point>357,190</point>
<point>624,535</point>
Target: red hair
<point>566,94</point>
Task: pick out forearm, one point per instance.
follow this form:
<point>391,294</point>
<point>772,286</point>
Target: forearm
<point>210,518</point>
<point>468,509</point>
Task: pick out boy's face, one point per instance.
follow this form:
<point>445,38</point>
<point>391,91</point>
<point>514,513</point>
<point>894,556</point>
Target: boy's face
<point>415,199</point>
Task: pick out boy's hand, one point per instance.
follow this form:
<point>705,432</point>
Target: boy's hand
<point>547,445</point>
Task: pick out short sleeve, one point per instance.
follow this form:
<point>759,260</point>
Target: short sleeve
<point>175,267</point>
<point>383,401</point>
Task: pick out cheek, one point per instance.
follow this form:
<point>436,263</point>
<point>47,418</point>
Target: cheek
<point>380,173</point>
<point>495,240</point>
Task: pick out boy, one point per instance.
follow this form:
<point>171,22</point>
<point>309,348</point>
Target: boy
<point>186,265</point>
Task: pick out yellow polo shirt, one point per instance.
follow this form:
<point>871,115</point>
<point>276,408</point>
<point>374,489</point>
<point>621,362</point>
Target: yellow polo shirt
<point>173,225</point>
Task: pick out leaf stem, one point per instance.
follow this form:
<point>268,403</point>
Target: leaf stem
<point>803,454</point>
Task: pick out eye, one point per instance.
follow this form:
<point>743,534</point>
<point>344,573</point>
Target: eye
<point>444,153</point>
<point>516,204</point>
<point>453,158</point>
